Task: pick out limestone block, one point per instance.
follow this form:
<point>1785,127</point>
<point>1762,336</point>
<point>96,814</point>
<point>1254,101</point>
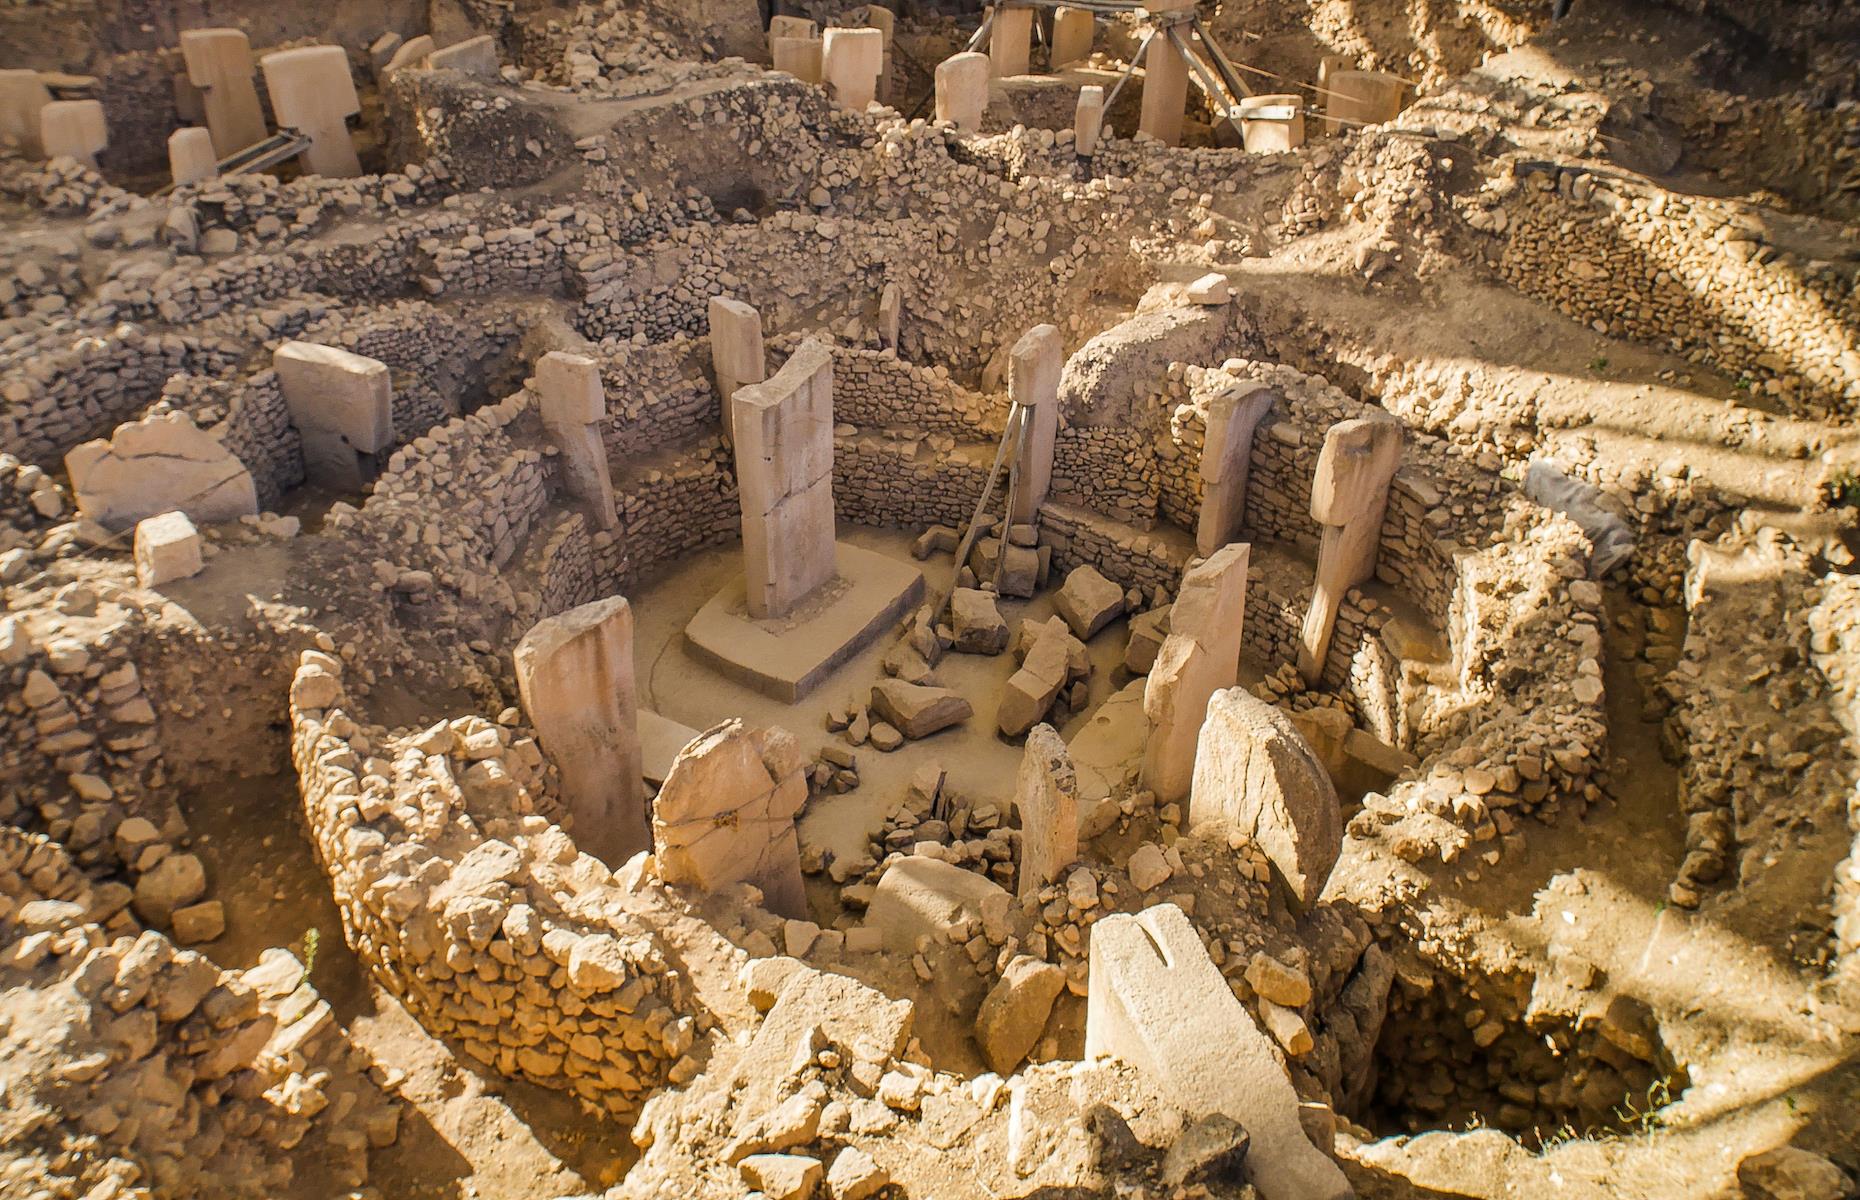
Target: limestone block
<point>1149,969</point>
<point>1255,774</point>
<point>977,622</point>
<point>1210,605</point>
<point>854,1175</point>
<point>313,93</point>
<point>1175,699</point>
<point>799,57</point>
<point>1088,120</point>
<point>191,156</point>
<point>414,52</point>
<point>736,353</point>
<point>1014,1013</point>
<point>962,90</point>
<point>219,65</point>
<point>791,27</point>
<point>1034,368</point>
<point>1046,796</point>
<point>890,310</point>
<point>782,1176</point>
<point>1356,98</point>
<point>918,897</point>
<point>850,61</point>
<point>1010,44</point>
<point>575,678</point>
<point>573,403</point>
<point>784,473</point>
<point>726,814</point>
<point>1073,29</point>
<point>918,711</point>
<point>1088,601</point>
<point>1272,124</point>
<point>1165,92</point>
<point>474,56</point>
<point>22,94</point>
<point>168,547</point>
<point>73,129</point>
<point>1211,290</point>
<point>159,464</point>
<point>1031,690</point>
<point>1234,414</point>
<point>342,406</point>
<point>1147,633</point>
<point>1349,495</point>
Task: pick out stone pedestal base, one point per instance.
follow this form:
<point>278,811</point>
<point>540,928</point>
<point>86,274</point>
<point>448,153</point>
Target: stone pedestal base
<point>786,658</point>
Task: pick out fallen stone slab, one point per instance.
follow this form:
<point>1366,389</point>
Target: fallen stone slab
<point>1088,601</point>
<point>1048,667</point>
<point>977,621</point>
<point>1147,633</point>
<point>1015,1011</point>
<point>918,711</point>
<point>918,897</point>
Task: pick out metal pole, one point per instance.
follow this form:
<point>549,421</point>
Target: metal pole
<point>1226,102</point>
<point>1234,82</point>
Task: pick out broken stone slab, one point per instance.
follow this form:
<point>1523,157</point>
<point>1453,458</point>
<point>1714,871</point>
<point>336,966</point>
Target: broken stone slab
<point>918,897</point>
<point>1256,775</point>
<point>1014,1013</point>
<point>1146,971</point>
<point>726,814</point>
<point>918,711</point>
<point>1211,290</point>
<point>977,621</point>
<point>475,56</point>
<point>1046,797</point>
<point>414,52</point>
<point>1048,667</point>
<point>1088,601</point>
<point>168,547</point>
<point>575,679</point>
<point>163,463</point>
<point>1148,630</point>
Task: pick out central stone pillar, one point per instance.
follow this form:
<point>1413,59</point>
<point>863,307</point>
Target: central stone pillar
<point>1165,92</point>
<point>219,64</point>
<point>575,678</point>
<point>784,474</point>
<point>1010,44</point>
<point>736,354</point>
<point>313,93</point>
<point>962,90</point>
<point>1034,368</point>
<point>1226,462</point>
<point>342,406</point>
<point>1349,495</point>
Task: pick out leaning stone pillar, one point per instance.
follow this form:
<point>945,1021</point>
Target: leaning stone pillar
<point>1010,43</point>
<point>575,678</point>
<point>1165,92</point>
<point>736,353</point>
<point>850,62</point>
<point>191,157</point>
<point>784,475</point>
<point>1046,796</point>
<point>1088,121</point>
<point>573,403</point>
<point>1034,368</point>
<point>22,95</point>
<point>219,65</point>
<point>313,93</point>
<point>73,129</point>
<point>962,90</point>
<point>1349,494</point>
<point>726,815</point>
<point>342,406</point>
<point>1234,414</point>
<point>1147,971</point>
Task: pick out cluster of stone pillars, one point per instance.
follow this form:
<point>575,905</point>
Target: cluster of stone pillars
<point>854,64</point>
<point>37,125</point>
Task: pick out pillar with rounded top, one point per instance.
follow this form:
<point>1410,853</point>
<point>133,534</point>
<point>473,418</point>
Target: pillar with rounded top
<point>1010,43</point>
<point>313,93</point>
<point>962,90</point>
<point>191,157</point>
<point>1165,91</point>
<point>1349,495</point>
<point>73,129</point>
<point>850,61</point>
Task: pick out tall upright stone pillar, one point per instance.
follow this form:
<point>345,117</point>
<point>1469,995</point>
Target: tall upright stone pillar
<point>1046,796</point>
<point>1357,98</point>
<point>962,90</point>
<point>342,406</point>
<point>575,678</point>
<point>1034,368</point>
<point>1010,43</point>
<point>1200,656</point>
<point>1073,29</point>
<point>22,95</point>
<point>799,57</point>
<point>573,402</point>
<point>74,129</point>
<point>736,353</point>
<point>219,65</point>
<point>191,156</point>
<point>313,93</point>
<point>850,62</point>
<point>784,474</point>
<point>1234,415</point>
<point>726,814</point>
<point>790,27</point>
<point>1165,92</point>
<point>1088,121</point>
<point>1349,495</point>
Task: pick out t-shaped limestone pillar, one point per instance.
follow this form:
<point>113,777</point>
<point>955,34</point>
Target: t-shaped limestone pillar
<point>1226,461</point>
<point>1147,972</point>
<point>850,60</point>
<point>219,65</point>
<point>962,90</point>
<point>342,406</point>
<point>573,402</point>
<point>1072,34</point>
<point>575,678</point>
<point>1165,91</point>
<point>73,129</point>
<point>1088,121</point>
<point>1200,656</point>
<point>799,57</point>
<point>313,93</point>
<point>1046,796</point>
<point>1034,367</point>
<point>784,473</point>
<point>1010,43</point>
<point>191,157</point>
<point>736,354</point>
<point>22,95</point>
<point>1349,494</point>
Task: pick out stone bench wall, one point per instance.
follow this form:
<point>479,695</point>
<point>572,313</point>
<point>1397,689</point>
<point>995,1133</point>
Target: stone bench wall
<point>658,396</point>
